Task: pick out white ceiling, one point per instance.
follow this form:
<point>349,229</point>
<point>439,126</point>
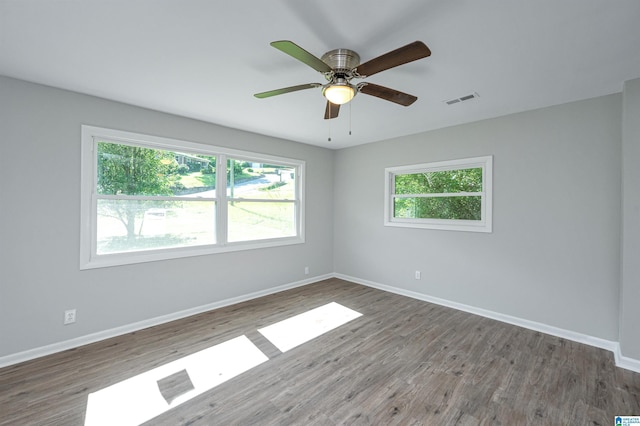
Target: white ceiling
<point>206,58</point>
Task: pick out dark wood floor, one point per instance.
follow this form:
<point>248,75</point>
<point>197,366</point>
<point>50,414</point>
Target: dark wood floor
<point>403,361</point>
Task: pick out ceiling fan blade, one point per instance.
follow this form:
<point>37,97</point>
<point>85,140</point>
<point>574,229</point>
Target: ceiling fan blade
<point>286,90</point>
<point>331,111</point>
<point>387,94</point>
<point>409,53</point>
<point>292,49</point>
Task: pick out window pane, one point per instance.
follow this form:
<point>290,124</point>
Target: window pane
<point>260,181</point>
<point>260,220</point>
<point>449,181</point>
<point>135,170</point>
<point>134,225</point>
<point>461,208</point>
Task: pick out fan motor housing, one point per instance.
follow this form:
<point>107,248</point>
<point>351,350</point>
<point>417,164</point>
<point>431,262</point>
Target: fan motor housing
<point>341,60</point>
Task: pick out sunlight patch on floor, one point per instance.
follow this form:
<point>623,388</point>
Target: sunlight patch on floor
<point>140,398</point>
<point>294,331</point>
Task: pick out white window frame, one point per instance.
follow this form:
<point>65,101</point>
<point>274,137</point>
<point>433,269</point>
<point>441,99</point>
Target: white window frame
<point>89,258</point>
<point>483,225</point>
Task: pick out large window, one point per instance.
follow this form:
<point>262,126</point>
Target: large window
<point>147,198</point>
<point>453,195</point>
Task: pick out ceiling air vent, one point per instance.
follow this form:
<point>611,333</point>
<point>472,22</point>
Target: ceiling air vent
<point>462,98</point>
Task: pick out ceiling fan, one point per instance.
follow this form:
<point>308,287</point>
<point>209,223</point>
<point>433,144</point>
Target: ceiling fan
<point>341,66</point>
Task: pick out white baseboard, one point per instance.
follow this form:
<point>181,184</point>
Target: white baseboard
<point>621,361</point>
<point>118,331</point>
<point>625,362</point>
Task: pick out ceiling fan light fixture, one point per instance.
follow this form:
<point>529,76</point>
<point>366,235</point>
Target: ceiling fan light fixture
<point>339,93</point>
<point>340,66</point>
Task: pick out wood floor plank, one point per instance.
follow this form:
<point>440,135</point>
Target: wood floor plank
<point>404,362</point>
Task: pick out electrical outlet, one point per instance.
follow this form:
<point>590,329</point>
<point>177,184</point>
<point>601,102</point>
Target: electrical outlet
<point>418,275</point>
<point>306,270</point>
<point>69,316</point>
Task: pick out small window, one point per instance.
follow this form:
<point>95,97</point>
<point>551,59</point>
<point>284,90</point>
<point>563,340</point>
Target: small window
<point>147,198</point>
<point>451,195</point>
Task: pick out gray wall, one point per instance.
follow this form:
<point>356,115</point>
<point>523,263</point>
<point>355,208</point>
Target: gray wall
<point>630,290</point>
<point>554,254</point>
<point>39,224</point>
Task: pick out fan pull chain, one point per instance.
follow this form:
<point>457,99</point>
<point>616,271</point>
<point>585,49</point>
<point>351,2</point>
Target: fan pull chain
<point>329,138</point>
<point>349,118</point>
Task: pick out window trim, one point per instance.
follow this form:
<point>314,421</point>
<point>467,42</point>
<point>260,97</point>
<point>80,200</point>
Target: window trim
<point>89,259</point>
<point>484,225</point>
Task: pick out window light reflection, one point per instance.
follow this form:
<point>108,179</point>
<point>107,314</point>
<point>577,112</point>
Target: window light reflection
<point>294,331</point>
<point>138,399</point>
<point>141,398</point>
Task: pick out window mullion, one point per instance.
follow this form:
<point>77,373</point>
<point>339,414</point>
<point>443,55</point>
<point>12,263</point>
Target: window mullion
<point>222,210</point>
<point>259,200</point>
<point>440,194</point>
<point>221,197</point>
<point>151,198</point>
